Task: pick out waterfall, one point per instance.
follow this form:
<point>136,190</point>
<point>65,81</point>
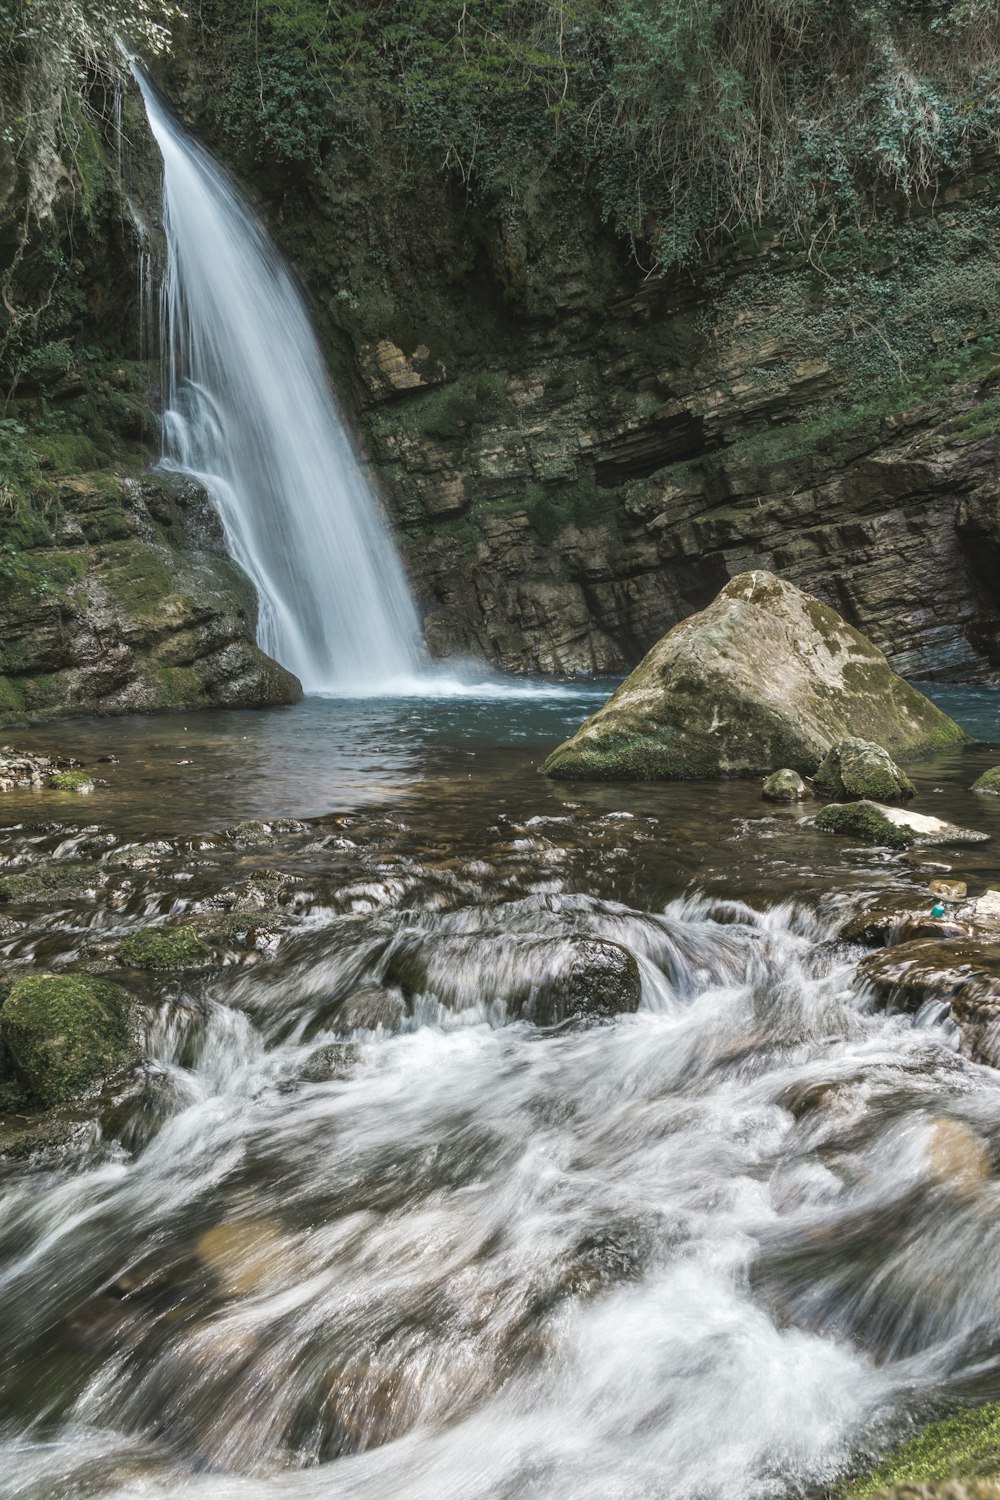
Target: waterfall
<point>250,414</point>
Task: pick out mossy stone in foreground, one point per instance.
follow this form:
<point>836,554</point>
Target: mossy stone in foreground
<point>64,1033</point>
<point>966,1446</point>
<point>989,782</point>
<point>865,822</point>
<point>62,880</point>
<point>766,676</point>
<point>163,948</point>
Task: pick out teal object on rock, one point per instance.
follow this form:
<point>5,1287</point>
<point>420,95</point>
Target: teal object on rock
<point>937,910</point>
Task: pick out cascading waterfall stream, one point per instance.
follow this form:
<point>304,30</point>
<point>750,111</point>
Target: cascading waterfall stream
<point>250,414</point>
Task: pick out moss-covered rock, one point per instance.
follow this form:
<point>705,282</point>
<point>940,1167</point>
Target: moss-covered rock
<point>858,768</point>
<point>66,1033</point>
<point>878,823</point>
<point>164,948</point>
<point>144,611</point>
<point>785,786</point>
<point>765,676</point>
<point>71,781</point>
<point>989,782</point>
<point>61,880</point>
<point>863,820</point>
<point>965,1446</point>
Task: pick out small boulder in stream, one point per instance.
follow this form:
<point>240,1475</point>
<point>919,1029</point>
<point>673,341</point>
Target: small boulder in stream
<point>785,786</point>
<point>876,823</point>
<point>766,676</point>
<point>66,1033</point>
<point>164,948</point>
<point>989,783</point>
<point>859,768</point>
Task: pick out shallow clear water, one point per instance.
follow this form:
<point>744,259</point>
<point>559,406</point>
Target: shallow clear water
<point>716,1247</point>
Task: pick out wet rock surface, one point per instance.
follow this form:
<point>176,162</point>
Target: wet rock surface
<point>858,768</point>
<point>135,606</point>
<point>962,974</point>
<point>785,786</point>
<point>64,1033</point>
<point>877,823</point>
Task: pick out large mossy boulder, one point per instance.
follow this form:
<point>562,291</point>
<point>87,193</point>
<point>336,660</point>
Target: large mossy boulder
<point>66,1033</point>
<point>767,676</point>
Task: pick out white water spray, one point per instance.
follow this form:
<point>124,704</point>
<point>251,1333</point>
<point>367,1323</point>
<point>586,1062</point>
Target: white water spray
<point>250,414</point>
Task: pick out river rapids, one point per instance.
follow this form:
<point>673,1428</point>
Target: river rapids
<point>360,1234</point>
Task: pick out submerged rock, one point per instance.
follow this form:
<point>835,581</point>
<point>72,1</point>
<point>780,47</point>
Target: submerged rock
<point>370,1009</point>
<point>545,980</point>
<point>884,926</point>
<point>785,786</point>
<point>65,1033</point>
<point>164,948</point>
<point>765,676</point>
<point>859,768</point>
<point>957,1157</point>
<point>876,823</point>
<point>989,782</point>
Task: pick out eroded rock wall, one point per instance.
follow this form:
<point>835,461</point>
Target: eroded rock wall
<point>576,454</point>
<point>131,604</point>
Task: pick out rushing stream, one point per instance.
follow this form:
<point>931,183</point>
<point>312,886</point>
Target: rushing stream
<point>362,1230</point>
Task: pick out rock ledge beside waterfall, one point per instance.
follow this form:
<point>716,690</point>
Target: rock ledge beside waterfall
<point>766,677</point>
<point>132,605</point>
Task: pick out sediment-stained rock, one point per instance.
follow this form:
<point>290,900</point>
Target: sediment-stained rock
<point>964,975</point>
<point>766,676</point>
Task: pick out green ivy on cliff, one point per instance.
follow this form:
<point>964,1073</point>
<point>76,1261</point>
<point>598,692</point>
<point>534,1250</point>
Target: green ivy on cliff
<point>692,116</point>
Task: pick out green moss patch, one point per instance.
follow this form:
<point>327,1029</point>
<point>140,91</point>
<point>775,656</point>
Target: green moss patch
<point>965,1446</point>
<point>61,880</point>
<point>71,781</point>
<point>989,782</point>
<point>863,822</point>
<point>66,1032</point>
<point>163,948</point>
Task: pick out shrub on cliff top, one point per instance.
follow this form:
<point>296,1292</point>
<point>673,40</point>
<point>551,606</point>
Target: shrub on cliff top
<point>692,116</point>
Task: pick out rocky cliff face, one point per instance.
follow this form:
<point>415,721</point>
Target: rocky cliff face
<point>622,458</point>
<point>577,455</point>
<point>131,604</point>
